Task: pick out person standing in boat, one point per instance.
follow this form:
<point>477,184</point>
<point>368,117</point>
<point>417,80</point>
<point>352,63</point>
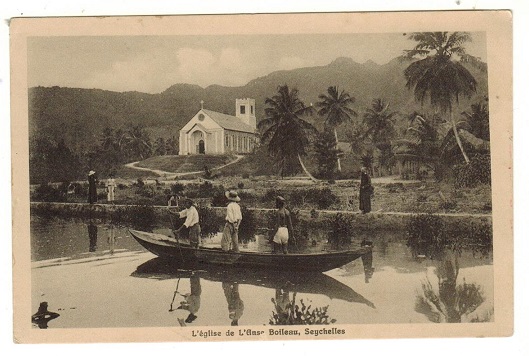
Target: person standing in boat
<point>284,226</point>
<point>366,191</point>
<point>192,223</point>
<point>230,234</point>
<point>92,187</point>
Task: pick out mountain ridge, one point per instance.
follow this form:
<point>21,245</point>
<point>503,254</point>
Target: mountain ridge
<point>79,115</point>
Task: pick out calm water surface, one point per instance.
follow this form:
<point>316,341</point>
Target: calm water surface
<point>96,275</point>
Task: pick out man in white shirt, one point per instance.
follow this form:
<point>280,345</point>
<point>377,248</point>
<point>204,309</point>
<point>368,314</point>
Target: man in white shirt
<point>230,235</point>
<point>192,223</point>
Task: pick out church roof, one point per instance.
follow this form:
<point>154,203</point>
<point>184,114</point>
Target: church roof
<point>229,122</point>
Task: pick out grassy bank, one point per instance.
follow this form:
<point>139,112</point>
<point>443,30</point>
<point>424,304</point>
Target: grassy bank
<point>260,192</point>
<point>183,164</point>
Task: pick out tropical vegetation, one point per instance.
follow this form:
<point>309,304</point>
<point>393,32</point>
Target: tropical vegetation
<point>437,72</point>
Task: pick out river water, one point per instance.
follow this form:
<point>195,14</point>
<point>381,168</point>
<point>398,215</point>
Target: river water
<point>94,275</point>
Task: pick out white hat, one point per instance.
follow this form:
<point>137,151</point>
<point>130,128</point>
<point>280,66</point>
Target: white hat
<point>232,195</point>
<point>91,172</point>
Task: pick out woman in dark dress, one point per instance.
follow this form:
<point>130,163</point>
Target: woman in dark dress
<point>365,191</point>
<point>92,187</point>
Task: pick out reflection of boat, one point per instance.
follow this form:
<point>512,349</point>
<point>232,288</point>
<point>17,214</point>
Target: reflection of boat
<point>301,282</point>
<point>164,246</point>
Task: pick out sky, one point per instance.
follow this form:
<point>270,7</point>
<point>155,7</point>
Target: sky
<point>151,64</point>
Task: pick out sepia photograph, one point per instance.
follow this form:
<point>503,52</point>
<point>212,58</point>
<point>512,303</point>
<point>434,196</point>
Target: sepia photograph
<point>262,177</point>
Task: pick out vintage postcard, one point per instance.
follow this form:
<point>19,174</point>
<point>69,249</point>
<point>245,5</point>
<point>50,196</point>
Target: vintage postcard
<point>301,176</point>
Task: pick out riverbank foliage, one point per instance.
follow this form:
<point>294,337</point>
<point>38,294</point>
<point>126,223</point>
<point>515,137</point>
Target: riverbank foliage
<point>429,235</point>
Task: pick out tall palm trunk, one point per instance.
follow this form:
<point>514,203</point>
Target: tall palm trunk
<point>458,139</point>
<point>305,170</point>
<point>338,166</point>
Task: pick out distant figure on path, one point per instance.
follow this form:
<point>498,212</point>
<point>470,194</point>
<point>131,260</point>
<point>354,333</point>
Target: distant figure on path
<point>284,226</point>
<point>230,234</point>
<point>366,190</point>
<point>111,186</point>
<point>192,223</point>
<point>92,187</point>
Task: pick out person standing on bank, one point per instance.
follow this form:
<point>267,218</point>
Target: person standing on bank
<point>192,223</point>
<point>366,190</point>
<point>230,234</point>
<point>111,186</point>
<point>92,187</point>
<point>284,226</point>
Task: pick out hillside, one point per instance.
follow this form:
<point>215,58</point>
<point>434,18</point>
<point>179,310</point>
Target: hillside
<point>79,115</point>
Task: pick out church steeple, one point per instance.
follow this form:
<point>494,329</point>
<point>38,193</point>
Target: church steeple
<point>245,110</point>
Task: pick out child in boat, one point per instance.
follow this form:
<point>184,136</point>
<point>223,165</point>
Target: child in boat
<point>284,226</point>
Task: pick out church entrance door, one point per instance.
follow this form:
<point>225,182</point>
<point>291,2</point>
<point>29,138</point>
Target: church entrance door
<point>201,147</point>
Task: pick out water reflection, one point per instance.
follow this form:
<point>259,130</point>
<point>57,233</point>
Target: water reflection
<point>92,236</point>
<point>284,284</point>
<point>450,303</point>
<point>235,303</point>
<point>289,312</point>
<point>111,239</point>
<point>191,301</point>
<point>367,262</point>
<point>43,316</point>
<point>301,282</point>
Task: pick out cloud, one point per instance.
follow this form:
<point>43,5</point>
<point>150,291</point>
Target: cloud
<point>286,63</point>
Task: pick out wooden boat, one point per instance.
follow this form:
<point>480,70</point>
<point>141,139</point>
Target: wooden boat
<point>166,247</point>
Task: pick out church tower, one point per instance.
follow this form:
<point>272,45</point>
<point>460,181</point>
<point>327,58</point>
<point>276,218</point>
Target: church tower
<point>245,110</point>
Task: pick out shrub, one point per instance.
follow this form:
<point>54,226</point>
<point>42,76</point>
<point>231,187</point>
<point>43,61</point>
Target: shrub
<point>293,314</point>
<point>475,172</point>
<point>270,195</point>
<point>248,226</point>
<point>210,223</point>
<point>429,235</point>
<point>240,185</point>
<point>421,198</point>
<point>177,188</point>
<point>246,175</point>
<point>448,204</point>
<point>139,182</point>
<point>324,198</point>
<point>48,193</point>
<point>145,191</point>
<point>219,199</point>
<point>341,229</point>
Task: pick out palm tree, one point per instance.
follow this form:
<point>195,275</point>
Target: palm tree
<point>138,142</point>
<point>284,131</point>
<point>478,120</point>
<point>355,137</point>
<point>335,108</point>
<point>380,125</point>
<point>436,74</point>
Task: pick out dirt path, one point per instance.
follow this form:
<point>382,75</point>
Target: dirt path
<point>173,175</point>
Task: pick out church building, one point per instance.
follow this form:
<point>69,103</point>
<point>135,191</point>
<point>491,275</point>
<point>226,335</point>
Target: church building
<point>211,132</point>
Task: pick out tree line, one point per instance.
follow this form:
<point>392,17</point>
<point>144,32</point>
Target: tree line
<point>436,74</point>
<point>51,161</point>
